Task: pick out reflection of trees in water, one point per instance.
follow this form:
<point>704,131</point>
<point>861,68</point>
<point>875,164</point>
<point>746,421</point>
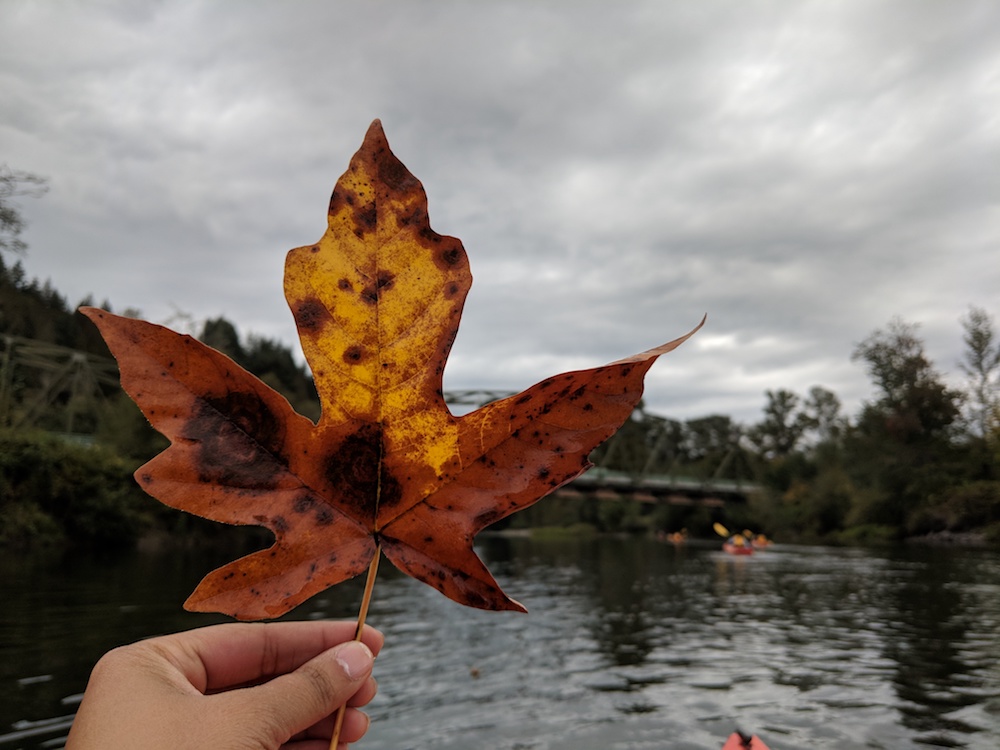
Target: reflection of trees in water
<point>936,615</point>
<point>622,630</point>
<point>614,575</point>
<point>903,634</point>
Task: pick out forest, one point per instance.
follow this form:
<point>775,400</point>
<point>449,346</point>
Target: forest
<point>919,459</point>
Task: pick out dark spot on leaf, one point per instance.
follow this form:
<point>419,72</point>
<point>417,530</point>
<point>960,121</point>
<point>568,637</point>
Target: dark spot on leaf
<point>240,441</point>
<point>356,473</point>
<point>366,217</point>
<point>353,354</point>
<point>390,491</point>
<point>416,216</point>
<point>524,399</point>
<point>303,504</point>
<point>311,314</point>
<point>324,516</point>
<point>280,524</point>
<point>588,407</point>
<point>383,283</point>
<point>392,172</point>
<point>344,285</point>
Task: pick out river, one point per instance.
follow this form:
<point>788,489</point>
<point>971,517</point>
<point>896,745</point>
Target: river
<point>628,644</point>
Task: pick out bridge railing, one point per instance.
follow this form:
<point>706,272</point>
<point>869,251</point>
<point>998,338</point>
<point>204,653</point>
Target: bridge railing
<point>49,373</point>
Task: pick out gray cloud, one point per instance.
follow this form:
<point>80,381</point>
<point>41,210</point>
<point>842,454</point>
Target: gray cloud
<point>800,171</point>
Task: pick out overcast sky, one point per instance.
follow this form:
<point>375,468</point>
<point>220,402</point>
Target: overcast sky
<point>800,171</point>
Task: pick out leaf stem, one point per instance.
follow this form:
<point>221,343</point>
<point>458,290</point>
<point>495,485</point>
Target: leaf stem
<point>362,614</point>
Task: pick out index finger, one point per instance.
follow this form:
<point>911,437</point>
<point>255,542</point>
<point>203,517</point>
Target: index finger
<point>233,654</point>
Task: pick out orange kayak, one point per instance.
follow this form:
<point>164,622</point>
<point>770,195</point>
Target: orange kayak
<point>739,741</point>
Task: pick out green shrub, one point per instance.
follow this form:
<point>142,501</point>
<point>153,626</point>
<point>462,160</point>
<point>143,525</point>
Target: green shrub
<point>23,523</point>
<point>969,506</point>
<point>50,488</point>
<point>869,533</point>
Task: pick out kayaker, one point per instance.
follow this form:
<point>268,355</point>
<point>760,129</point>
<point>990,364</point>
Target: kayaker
<point>190,690</point>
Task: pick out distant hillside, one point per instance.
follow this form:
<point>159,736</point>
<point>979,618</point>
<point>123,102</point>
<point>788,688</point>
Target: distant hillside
<point>34,310</point>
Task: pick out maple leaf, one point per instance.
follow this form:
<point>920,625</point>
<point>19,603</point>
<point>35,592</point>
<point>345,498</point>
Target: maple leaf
<point>377,303</point>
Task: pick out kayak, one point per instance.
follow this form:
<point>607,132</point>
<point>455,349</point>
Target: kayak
<point>739,741</point>
<point>732,549</point>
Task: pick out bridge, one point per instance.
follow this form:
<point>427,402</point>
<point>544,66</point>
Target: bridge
<point>78,382</point>
<point>606,484</point>
<point>75,379</point>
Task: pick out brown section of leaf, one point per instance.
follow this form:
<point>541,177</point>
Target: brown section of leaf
<point>377,303</point>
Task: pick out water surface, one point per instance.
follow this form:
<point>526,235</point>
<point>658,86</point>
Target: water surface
<point>628,644</point>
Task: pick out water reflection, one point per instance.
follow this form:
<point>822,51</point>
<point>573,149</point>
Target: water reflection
<point>628,644</point>
<point>937,675</point>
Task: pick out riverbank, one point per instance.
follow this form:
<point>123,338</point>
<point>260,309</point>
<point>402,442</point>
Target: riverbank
<point>56,493</point>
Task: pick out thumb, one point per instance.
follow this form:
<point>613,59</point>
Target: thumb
<point>293,702</point>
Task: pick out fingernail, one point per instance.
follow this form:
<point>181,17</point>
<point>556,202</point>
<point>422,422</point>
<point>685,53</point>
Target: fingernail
<point>355,658</point>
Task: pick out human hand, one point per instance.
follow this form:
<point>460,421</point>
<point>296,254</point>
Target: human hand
<point>239,686</point>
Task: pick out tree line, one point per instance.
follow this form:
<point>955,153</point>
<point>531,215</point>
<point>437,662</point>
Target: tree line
<point>920,457</point>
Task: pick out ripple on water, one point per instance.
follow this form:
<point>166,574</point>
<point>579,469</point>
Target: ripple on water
<point>628,645</point>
